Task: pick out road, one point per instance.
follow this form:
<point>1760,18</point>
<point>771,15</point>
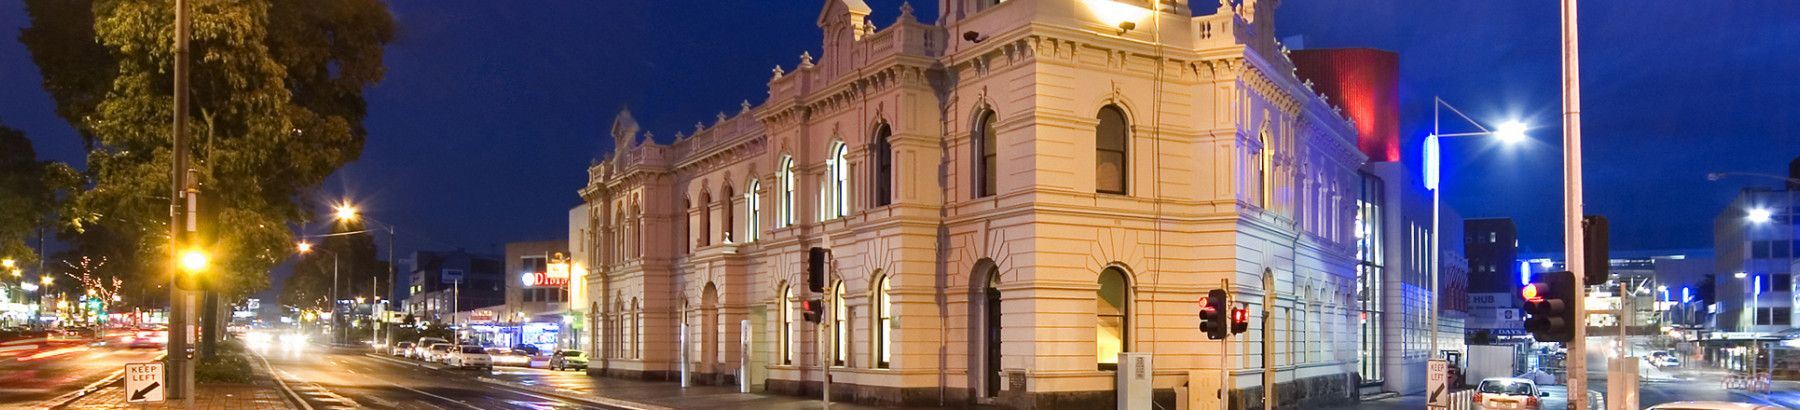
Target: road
<point>35,370</point>
<point>337,378</point>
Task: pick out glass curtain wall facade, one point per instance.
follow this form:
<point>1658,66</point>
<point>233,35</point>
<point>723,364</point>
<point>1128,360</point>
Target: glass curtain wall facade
<point>1369,251</point>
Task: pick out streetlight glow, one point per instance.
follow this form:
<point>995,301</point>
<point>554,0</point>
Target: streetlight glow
<point>8,263</point>
<point>345,213</point>
<point>1760,215</point>
<point>1740,275</point>
<point>193,260</point>
<point>1511,132</point>
<point>47,280</point>
<point>305,247</point>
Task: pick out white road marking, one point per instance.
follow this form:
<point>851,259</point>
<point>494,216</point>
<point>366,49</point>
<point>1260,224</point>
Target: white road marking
<point>283,383</point>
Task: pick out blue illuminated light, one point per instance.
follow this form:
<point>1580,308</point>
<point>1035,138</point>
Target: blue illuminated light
<point>1686,294</point>
<point>1524,272</point>
<point>1759,285</point>
<point>1432,164</point>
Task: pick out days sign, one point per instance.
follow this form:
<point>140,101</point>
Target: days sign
<point>1437,384</point>
<point>144,382</point>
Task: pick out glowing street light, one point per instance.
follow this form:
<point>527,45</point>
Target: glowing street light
<point>1760,215</point>
<point>194,260</point>
<point>305,247</point>
<point>345,213</point>
<point>47,280</point>
<point>1740,275</point>
<point>1511,132</point>
<point>8,263</point>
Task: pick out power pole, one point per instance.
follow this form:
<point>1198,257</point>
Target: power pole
<point>1574,245</point>
<point>182,221</point>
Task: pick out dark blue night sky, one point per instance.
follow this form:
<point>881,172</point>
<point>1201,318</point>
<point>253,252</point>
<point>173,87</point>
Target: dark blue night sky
<point>491,110</point>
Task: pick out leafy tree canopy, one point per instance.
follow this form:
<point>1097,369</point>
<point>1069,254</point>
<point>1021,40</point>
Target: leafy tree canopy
<point>276,101</point>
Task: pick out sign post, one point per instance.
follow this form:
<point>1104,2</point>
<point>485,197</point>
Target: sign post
<point>1437,384</point>
<point>144,382</point>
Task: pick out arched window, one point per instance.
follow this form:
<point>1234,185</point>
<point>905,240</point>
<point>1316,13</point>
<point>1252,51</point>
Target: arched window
<point>1111,138</point>
<point>884,166</point>
<point>883,322</point>
<point>784,213</point>
<point>986,155</point>
<point>1110,316</point>
<point>706,205</point>
<point>725,215</point>
<point>787,325</point>
<point>840,325</point>
<point>837,174</point>
<point>1265,159</point>
<point>752,212</point>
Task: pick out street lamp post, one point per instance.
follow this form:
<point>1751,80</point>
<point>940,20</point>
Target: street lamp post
<point>1510,132</point>
<point>336,333</point>
<point>347,212</point>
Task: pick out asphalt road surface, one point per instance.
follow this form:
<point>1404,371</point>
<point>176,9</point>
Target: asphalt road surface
<point>34,371</point>
<point>338,378</point>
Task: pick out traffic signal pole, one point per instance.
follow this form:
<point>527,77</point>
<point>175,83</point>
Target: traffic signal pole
<point>182,222</point>
<point>1573,239</point>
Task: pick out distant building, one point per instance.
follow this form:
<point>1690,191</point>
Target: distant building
<point>1754,241</point>
<point>1494,280</point>
<point>440,283</point>
<point>1393,228</point>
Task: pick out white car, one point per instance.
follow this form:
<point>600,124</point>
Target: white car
<point>1711,405</point>
<point>470,357</point>
<point>1508,393</point>
<point>506,357</point>
<point>437,353</point>
<point>421,349</point>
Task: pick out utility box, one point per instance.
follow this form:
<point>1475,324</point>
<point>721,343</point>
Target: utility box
<point>1135,375</point>
<point>1205,390</point>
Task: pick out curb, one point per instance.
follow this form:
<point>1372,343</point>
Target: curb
<point>117,375</point>
<point>65,400</point>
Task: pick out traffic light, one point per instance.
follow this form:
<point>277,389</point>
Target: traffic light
<point>1550,306</point>
<point>1240,320</point>
<point>815,269</point>
<point>1214,315</point>
<point>1598,263</point>
<point>812,309</point>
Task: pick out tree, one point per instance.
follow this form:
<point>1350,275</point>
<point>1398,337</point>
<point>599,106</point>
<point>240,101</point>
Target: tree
<point>358,265</point>
<point>29,194</point>
<point>276,94</point>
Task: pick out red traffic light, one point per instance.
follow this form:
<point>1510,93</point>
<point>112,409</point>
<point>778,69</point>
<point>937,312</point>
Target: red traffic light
<point>1531,293</point>
<point>1240,315</point>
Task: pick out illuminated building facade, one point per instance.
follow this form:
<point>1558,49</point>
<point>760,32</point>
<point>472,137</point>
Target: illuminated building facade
<point>1010,197</point>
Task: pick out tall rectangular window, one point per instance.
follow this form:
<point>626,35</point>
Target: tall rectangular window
<point>1370,248</point>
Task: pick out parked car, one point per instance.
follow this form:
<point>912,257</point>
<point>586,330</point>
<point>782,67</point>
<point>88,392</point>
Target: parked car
<point>423,346</point>
<point>505,357</point>
<point>402,349</point>
<point>1710,405</point>
<point>469,357</point>
<point>527,350</point>
<point>438,352</point>
<point>1508,393</point>
<point>568,359</point>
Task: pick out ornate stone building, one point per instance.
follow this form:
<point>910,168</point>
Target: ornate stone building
<point>1010,197</point>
